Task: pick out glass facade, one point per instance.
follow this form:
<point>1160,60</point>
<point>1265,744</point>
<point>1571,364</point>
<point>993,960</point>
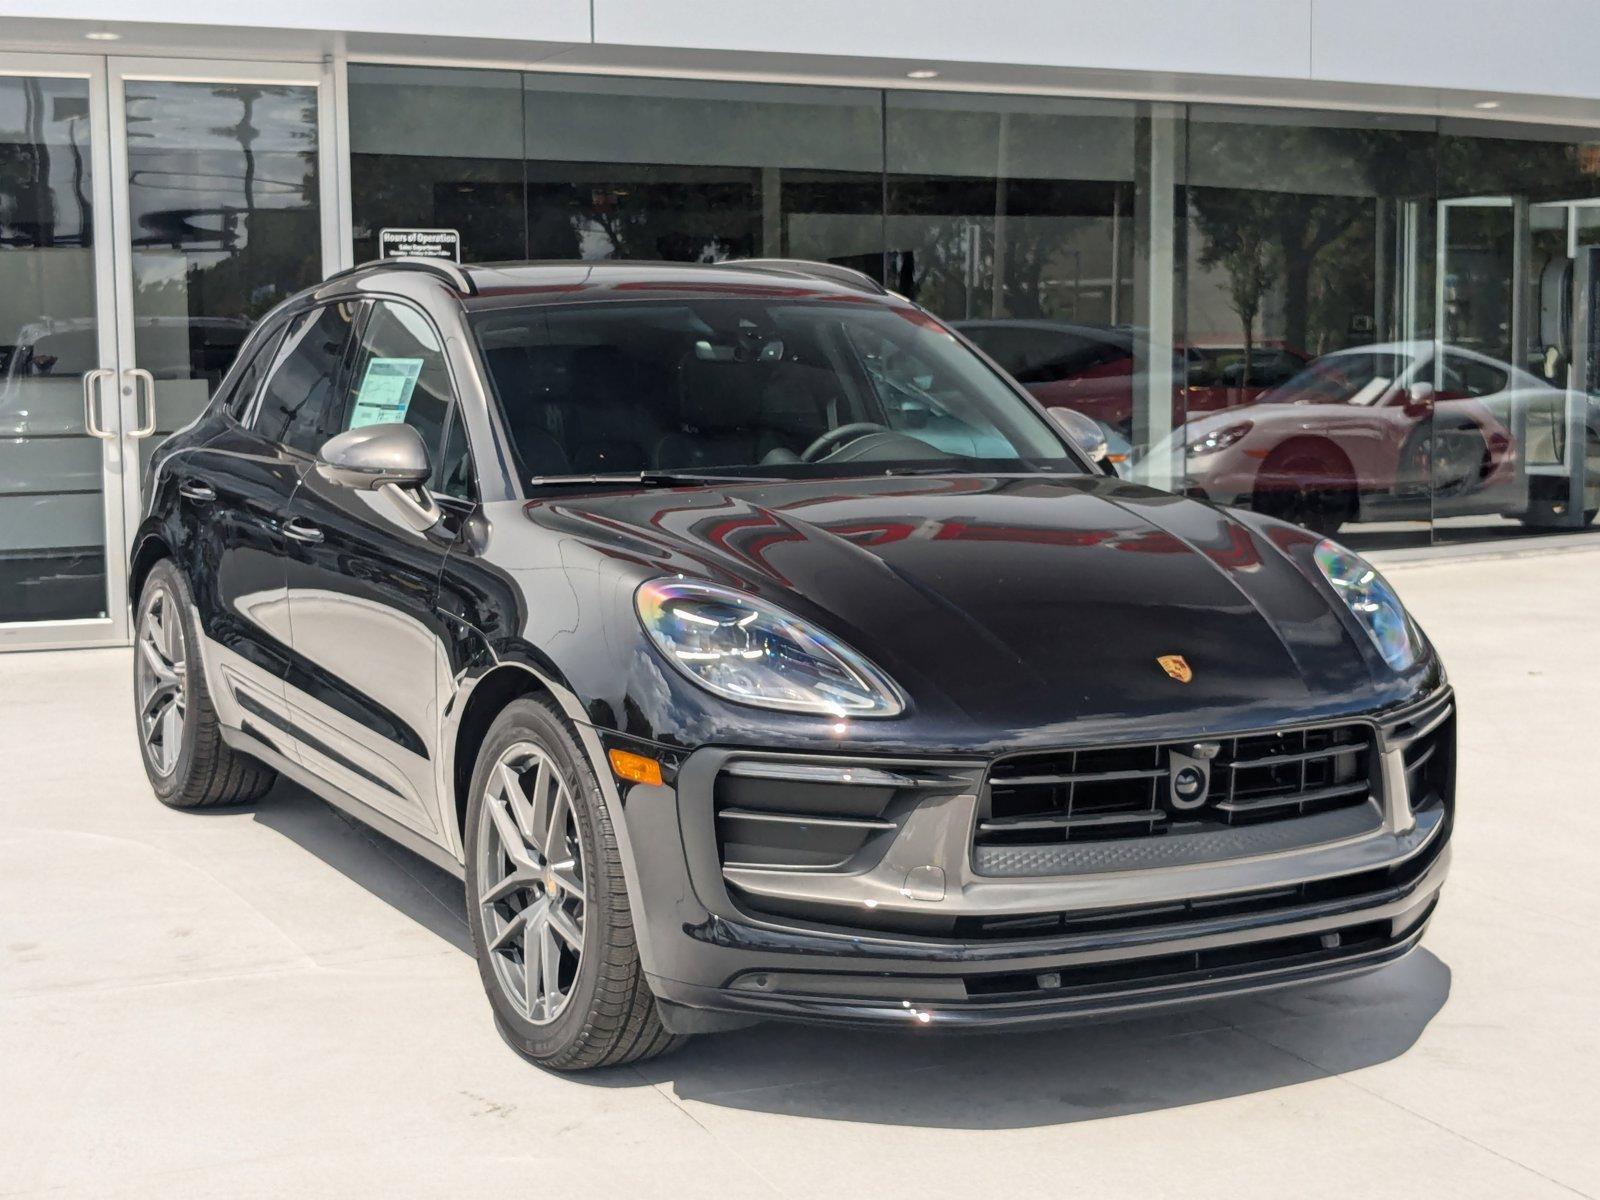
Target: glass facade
<point>1373,323</point>
<point>52,512</point>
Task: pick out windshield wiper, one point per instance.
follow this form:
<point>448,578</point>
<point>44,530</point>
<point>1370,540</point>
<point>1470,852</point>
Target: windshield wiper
<point>645,479</point>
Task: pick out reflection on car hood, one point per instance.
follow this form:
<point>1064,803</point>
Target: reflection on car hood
<point>1013,601</point>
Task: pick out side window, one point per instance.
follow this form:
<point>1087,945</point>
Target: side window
<point>399,374</point>
<point>248,380</point>
<point>295,405</point>
<point>454,472</point>
<point>1471,377</point>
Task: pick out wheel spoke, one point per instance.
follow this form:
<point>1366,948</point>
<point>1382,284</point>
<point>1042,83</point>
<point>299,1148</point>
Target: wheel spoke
<point>545,800</point>
<point>555,829</point>
<point>510,784</point>
<point>512,932</point>
<point>510,836</point>
<point>518,880</point>
<point>532,975</point>
<point>170,625</point>
<point>562,922</point>
<point>171,725</point>
<point>550,968</point>
<point>159,667</point>
<point>535,981</point>
<point>155,714</point>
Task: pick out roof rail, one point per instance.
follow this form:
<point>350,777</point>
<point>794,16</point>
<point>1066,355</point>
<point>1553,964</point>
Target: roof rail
<point>451,272</point>
<point>832,272</point>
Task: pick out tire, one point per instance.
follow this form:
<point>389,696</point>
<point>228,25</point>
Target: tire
<point>1425,476</point>
<point>1307,485</point>
<point>559,886</point>
<point>172,705</point>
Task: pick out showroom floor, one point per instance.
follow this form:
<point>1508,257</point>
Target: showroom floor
<point>274,1002</point>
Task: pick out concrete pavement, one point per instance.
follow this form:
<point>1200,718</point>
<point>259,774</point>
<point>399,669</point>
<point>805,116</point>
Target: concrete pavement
<point>273,1001</point>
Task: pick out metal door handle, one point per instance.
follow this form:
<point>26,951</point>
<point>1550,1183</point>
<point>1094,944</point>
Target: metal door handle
<point>302,531</point>
<point>91,390</point>
<point>200,493</point>
<point>140,375</point>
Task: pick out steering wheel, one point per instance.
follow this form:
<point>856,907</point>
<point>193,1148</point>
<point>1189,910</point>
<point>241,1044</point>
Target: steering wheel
<point>839,436</point>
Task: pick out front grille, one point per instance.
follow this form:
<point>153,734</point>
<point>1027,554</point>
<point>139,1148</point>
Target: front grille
<point>1123,792</point>
<point>1371,887</point>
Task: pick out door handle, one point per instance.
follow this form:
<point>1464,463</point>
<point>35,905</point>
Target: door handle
<point>144,384</point>
<point>91,401</point>
<point>200,493</point>
<point>302,531</point>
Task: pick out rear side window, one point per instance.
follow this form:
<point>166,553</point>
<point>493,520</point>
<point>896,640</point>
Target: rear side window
<point>399,375</point>
<point>247,382</point>
<point>296,403</point>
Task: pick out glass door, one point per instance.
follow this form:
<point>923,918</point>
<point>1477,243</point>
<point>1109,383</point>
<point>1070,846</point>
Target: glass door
<point>1482,389</point>
<point>61,443</point>
<point>150,212</point>
<point>223,200</point>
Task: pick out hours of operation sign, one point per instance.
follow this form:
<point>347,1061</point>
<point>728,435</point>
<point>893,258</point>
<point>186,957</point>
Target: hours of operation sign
<point>419,243</point>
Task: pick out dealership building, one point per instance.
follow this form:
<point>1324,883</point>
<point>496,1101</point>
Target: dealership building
<point>1333,259</point>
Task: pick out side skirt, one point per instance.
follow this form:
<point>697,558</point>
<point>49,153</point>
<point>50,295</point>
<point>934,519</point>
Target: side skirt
<point>244,741</point>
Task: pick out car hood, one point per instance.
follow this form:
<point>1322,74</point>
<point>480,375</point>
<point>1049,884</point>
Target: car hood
<point>1020,602</point>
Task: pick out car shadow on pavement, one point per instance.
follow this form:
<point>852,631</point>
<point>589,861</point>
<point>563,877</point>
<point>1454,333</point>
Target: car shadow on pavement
<point>1079,1072</point>
<point>405,881</point>
<point>935,1079</point>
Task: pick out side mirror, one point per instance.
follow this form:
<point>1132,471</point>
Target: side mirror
<point>391,458</point>
<point>374,455</point>
<point>1084,432</point>
<point>1419,400</point>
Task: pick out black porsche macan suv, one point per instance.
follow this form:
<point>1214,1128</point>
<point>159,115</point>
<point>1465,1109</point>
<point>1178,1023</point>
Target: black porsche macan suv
<point>753,647</point>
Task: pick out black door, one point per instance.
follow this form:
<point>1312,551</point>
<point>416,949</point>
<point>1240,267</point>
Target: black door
<point>368,643</point>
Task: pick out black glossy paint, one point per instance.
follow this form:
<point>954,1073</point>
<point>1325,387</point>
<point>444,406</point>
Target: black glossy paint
<point>1013,611</point>
<point>369,570</point>
<point>233,544</point>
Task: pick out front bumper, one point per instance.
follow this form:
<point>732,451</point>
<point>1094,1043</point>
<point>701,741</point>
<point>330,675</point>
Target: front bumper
<point>901,951</point>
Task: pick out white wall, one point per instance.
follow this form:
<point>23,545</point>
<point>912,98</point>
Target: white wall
<point>541,20</point>
<point>1229,37</point>
<point>1530,47</point>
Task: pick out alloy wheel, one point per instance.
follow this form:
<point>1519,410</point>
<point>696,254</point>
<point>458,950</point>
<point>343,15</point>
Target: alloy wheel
<point>161,680</point>
<point>531,882</point>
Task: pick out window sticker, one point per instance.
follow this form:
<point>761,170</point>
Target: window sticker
<point>385,391</point>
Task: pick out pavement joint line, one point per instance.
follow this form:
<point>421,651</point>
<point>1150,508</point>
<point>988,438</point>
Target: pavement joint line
<point>1349,1079</point>
<point>1451,556</point>
<point>269,971</point>
<point>672,1100</point>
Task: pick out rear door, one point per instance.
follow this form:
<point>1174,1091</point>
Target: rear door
<point>362,583</point>
<point>234,494</point>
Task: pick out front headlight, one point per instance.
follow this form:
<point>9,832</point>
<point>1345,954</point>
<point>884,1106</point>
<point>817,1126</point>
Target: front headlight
<point>754,653</point>
<point>1372,600</point>
<point>1219,439</point>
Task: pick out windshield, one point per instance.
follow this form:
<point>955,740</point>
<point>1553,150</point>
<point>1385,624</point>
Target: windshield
<point>768,388</point>
<point>1362,377</point>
